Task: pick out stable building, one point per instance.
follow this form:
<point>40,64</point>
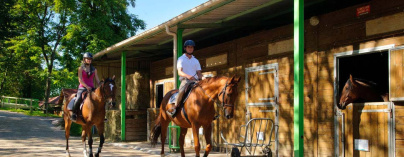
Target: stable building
<point>254,40</point>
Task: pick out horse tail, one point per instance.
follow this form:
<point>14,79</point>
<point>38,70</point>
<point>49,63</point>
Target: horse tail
<point>156,131</point>
<point>61,97</point>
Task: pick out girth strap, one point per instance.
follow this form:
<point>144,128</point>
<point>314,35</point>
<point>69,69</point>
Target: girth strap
<point>186,116</point>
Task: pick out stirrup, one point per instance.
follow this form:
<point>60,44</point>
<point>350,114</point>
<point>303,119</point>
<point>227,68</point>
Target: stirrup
<point>171,114</point>
<point>73,117</point>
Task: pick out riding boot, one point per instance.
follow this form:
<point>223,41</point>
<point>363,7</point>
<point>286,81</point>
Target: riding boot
<point>171,112</point>
<point>76,107</point>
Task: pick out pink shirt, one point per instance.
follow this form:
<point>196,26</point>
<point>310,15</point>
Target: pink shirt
<point>87,80</point>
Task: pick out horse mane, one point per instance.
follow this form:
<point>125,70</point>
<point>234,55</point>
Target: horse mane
<point>210,80</point>
<point>372,84</point>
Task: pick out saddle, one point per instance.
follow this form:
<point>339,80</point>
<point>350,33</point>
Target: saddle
<point>71,103</point>
<point>181,96</point>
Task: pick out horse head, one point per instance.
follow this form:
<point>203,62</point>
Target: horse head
<point>228,96</point>
<point>348,94</point>
<point>108,89</point>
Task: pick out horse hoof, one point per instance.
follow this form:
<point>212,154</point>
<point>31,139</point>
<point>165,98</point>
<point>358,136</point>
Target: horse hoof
<point>91,155</point>
<point>163,155</point>
<point>97,155</point>
<point>67,154</point>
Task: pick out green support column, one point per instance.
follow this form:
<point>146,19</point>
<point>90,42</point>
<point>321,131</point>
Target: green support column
<point>179,50</point>
<point>179,54</point>
<point>123,95</point>
<point>298,77</point>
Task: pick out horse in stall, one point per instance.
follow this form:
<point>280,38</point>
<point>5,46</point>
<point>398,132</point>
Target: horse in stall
<point>93,113</point>
<point>359,90</point>
<point>198,110</point>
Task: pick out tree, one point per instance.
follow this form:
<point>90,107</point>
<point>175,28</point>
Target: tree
<point>51,35</point>
<point>96,26</point>
<point>42,30</point>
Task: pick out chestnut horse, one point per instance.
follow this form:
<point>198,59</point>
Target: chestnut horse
<point>359,90</point>
<point>93,113</point>
<point>198,110</point>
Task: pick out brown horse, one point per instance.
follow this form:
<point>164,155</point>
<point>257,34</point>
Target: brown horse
<point>358,90</point>
<point>199,111</point>
<point>93,113</point>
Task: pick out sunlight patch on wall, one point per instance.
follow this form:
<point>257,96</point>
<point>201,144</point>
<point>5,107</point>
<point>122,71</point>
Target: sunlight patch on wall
<point>216,60</point>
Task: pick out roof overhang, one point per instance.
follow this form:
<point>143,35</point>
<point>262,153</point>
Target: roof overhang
<point>210,21</point>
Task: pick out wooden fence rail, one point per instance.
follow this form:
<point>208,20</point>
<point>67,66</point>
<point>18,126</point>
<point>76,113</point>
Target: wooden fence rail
<point>19,103</point>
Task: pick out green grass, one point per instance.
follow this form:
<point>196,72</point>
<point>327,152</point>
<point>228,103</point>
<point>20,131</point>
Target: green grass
<point>29,113</point>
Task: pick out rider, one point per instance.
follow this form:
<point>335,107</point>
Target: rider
<point>189,70</point>
<point>86,75</point>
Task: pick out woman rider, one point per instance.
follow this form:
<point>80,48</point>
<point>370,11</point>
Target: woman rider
<point>86,75</point>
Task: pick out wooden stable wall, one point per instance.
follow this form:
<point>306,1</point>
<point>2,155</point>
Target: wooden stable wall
<point>337,32</point>
<point>136,124</point>
<point>137,80</point>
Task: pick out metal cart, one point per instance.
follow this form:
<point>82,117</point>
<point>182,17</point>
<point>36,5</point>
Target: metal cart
<point>256,133</point>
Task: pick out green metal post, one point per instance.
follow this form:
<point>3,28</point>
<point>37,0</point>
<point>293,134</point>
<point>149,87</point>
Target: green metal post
<point>298,77</point>
<point>179,51</point>
<point>123,95</point>
<point>171,125</point>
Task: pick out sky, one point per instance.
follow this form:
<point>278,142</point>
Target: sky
<point>155,12</point>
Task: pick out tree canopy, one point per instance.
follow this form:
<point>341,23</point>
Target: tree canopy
<point>42,41</point>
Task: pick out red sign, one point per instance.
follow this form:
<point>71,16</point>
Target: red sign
<point>362,10</point>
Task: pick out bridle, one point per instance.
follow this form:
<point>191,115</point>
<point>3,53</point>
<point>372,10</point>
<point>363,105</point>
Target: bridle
<point>104,95</point>
<point>223,91</point>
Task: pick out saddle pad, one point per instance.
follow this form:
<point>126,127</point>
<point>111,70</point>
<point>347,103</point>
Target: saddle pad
<point>71,103</point>
<point>173,98</point>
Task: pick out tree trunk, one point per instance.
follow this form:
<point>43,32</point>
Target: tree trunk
<point>47,91</point>
<point>3,82</point>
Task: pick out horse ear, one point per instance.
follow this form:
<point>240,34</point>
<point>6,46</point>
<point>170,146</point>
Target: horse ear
<point>352,80</point>
<point>232,79</point>
<point>113,77</point>
<point>238,79</point>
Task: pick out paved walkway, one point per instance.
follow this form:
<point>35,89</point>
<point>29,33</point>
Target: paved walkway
<point>146,147</point>
<point>22,135</point>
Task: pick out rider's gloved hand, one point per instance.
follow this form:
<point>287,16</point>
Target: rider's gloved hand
<point>89,89</point>
<point>191,78</point>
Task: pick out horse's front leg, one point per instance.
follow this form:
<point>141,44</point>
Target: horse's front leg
<point>90,141</point>
<point>195,131</point>
<point>83,139</point>
<point>182,139</point>
<point>100,129</point>
<point>207,131</point>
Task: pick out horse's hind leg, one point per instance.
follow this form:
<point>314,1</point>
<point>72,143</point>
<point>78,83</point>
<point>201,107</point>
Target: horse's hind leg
<point>68,124</point>
<point>207,131</point>
<point>164,126</point>
<point>182,138</point>
<point>100,129</point>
